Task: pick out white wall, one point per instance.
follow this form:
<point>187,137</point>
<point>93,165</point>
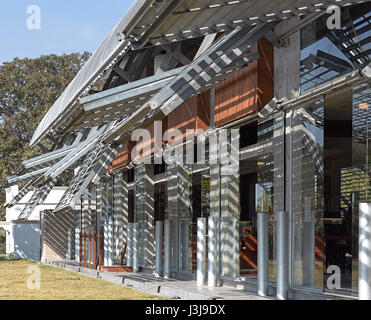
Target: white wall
<point>50,203</point>
<point>23,238</point>
<point>26,237</point>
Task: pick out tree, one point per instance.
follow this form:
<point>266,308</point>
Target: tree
<point>28,88</point>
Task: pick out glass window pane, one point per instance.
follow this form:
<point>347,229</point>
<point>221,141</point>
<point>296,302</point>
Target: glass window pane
<point>326,54</point>
<point>307,167</point>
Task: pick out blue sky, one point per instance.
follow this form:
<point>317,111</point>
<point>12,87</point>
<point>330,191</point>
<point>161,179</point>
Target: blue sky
<point>66,26</point>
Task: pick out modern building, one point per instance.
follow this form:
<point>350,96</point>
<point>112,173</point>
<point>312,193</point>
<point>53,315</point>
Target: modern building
<point>254,166</point>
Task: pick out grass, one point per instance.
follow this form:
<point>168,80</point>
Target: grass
<point>58,284</point>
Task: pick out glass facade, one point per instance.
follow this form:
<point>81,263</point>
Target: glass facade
<point>321,168</point>
<point>311,161</point>
<point>179,211</point>
<point>307,201</point>
<point>270,188</point>
<point>330,177</point>
<point>326,54</point>
<point>330,148</point>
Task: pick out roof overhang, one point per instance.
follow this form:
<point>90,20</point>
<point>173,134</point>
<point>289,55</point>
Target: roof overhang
<point>150,22</point>
<point>120,102</point>
<point>228,54</point>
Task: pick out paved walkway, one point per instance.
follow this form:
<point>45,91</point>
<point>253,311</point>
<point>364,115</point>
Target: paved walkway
<point>169,288</point>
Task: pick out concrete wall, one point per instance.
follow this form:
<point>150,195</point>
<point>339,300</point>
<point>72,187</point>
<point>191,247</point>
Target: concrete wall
<point>54,235</point>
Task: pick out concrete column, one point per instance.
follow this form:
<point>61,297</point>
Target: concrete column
<point>168,251</point>
<point>150,218</point>
<point>159,247</point>
<point>77,234</point>
<point>69,244</point>
<point>10,244</point>
<point>105,243</point>
<point>92,246</point>
<point>108,242</point>
<point>287,61</point>
<point>99,208</point>
<point>118,215</point>
<point>184,241</point>
<point>229,202</point>
<point>85,209</point>
<point>282,255</point>
<point>111,244</point>
<point>77,244</point>
<point>212,261</point>
<point>201,251</point>
<point>229,247</point>
<point>364,268</point>
<point>125,217</point>
<point>129,248</point>
<point>263,245</point>
<point>215,191</point>
<point>135,247</point>
<point>178,209</point>
<point>144,211</point>
<point>287,67</point>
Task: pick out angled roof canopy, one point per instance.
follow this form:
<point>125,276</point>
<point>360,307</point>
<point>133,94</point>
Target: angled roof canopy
<point>112,47</point>
<point>120,102</point>
<point>137,104</point>
<point>38,197</point>
<point>227,55</point>
<point>27,176</point>
<point>26,189</point>
<point>73,156</point>
<point>177,20</point>
<point>94,167</point>
<point>46,160</point>
<point>150,22</point>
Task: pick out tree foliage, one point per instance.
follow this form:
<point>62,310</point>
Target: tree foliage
<point>28,88</point>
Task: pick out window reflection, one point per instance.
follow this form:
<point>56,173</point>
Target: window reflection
<point>326,54</point>
<point>307,194</point>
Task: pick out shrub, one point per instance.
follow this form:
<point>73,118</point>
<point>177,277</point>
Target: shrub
<point>2,245</point>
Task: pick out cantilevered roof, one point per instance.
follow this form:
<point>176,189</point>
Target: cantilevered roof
<point>38,197</point>
<point>92,170</point>
<point>26,189</point>
<point>228,54</point>
<point>112,47</point>
<point>46,160</point>
<point>182,19</point>
<point>122,101</point>
<point>27,176</point>
<point>73,156</point>
<point>152,22</point>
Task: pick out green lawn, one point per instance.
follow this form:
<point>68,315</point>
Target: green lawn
<point>58,284</point>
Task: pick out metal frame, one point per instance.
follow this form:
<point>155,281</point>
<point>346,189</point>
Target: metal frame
<point>149,22</point>
<point>122,101</point>
<point>26,189</point>
<point>27,176</point>
<point>38,197</point>
<point>230,53</point>
<point>93,169</point>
